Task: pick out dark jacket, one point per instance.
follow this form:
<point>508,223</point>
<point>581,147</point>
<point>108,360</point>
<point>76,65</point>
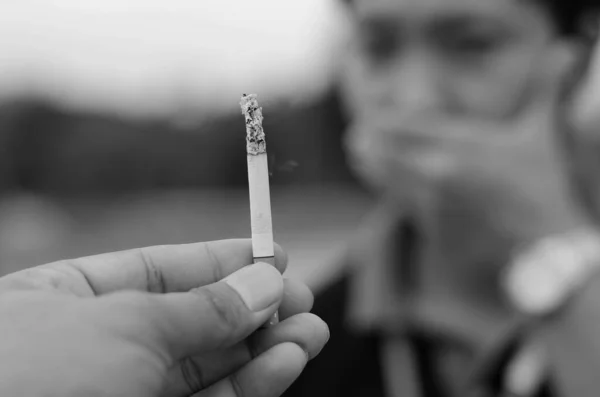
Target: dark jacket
<point>353,364</point>
<point>350,365</point>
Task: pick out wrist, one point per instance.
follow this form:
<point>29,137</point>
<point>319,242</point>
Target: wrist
<point>543,278</point>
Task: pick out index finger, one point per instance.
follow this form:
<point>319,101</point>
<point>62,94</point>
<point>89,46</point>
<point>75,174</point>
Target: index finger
<point>162,269</point>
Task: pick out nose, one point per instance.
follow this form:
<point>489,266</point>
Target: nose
<point>414,86</point>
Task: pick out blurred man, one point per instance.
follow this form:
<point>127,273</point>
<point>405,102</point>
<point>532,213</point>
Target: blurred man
<point>461,121</point>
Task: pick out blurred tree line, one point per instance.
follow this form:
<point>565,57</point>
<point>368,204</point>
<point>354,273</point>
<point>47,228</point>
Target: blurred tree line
<point>49,150</point>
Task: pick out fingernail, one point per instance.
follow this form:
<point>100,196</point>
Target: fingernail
<point>259,285</point>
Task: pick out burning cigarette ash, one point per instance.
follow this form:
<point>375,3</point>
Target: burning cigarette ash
<point>255,135</point>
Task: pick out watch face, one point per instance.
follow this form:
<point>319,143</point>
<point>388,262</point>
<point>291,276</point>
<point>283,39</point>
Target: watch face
<point>544,277</point>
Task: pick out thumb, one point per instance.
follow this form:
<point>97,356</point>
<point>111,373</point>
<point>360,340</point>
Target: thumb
<point>215,316</point>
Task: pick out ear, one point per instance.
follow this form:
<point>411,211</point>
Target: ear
<point>556,77</point>
<point>566,63</point>
<point>581,116</point>
<point>585,100</point>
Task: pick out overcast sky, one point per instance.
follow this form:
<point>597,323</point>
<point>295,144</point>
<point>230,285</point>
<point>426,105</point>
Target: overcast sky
<point>146,55</point>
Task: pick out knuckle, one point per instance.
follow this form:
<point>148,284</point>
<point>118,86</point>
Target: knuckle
<point>155,281</point>
<point>214,260</point>
<point>236,385</point>
<point>192,375</point>
<point>225,315</point>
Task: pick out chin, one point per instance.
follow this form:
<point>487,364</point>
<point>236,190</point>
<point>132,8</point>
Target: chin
<point>411,192</point>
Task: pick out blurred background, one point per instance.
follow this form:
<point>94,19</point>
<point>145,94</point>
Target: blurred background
<point>120,126</point>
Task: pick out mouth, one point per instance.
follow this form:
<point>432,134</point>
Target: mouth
<point>407,152</point>
<point>427,162</point>
<point>432,162</point>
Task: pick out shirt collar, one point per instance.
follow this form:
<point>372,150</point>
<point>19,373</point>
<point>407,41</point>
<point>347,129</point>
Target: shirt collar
<point>383,300</point>
<point>375,295</point>
<point>380,301</point>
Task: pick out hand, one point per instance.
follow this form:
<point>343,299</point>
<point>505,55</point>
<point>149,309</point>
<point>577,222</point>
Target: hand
<point>404,150</point>
<point>504,174</point>
<point>161,321</point>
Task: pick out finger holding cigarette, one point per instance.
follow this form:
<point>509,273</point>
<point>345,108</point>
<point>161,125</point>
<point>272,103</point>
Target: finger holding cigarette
<point>258,183</point>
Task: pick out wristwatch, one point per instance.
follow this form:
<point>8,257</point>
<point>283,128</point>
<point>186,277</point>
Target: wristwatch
<point>542,278</point>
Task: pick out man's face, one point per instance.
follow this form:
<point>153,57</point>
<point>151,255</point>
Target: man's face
<point>455,101</point>
<point>420,72</point>
<point>474,58</point>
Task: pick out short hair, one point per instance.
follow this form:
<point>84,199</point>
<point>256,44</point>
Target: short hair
<point>573,18</point>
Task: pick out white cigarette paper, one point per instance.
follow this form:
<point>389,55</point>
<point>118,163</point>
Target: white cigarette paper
<point>258,181</point>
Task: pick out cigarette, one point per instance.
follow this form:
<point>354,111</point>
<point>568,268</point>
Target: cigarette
<point>258,182</point>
